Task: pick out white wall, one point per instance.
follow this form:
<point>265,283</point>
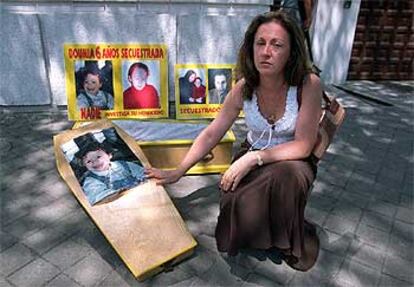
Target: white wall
<point>33,34</point>
<point>333,36</point>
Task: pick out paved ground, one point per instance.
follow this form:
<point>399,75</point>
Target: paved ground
<point>362,202</point>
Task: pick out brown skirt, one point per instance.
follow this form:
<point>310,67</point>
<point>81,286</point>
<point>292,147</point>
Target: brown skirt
<point>267,211</point>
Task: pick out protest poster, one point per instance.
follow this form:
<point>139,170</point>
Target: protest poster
<point>137,217</point>
<point>201,89</point>
<point>116,81</point>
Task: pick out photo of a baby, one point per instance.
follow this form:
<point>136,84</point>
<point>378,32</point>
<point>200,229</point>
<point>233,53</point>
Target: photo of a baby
<point>103,165</point>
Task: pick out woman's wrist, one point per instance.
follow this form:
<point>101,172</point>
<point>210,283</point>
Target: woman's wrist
<point>180,170</point>
<point>259,159</point>
<point>255,159</point>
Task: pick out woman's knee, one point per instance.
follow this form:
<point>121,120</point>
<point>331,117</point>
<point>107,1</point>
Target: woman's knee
<point>294,174</point>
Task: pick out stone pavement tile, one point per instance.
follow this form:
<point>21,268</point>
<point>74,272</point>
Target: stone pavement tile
<point>336,178</point>
<point>38,160</point>
<point>387,281</point>
<point>175,277</point>
<point>20,181</point>
<point>55,210</point>
<point>325,203</point>
<point>63,281</point>
<point>376,220</point>
<point>206,226</point>
<point>399,268</point>
<point>393,174</point>
<point>360,188</point>
<point>337,244</point>
<point>315,215</point>
<point>6,240</point>
<point>406,200</point>
<point>91,237</point>
<point>405,214</point>
<point>385,193</point>
<point>279,273</point>
<point>355,198</point>
<point>354,274</point>
<point>255,279</point>
<point>5,283</point>
<point>14,258</point>
<point>24,226</point>
<point>44,239</point>
<point>340,225</point>
<point>203,218</point>
<point>73,222</point>
<point>225,272</point>
<point>251,258</point>
<point>208,242</point>
<point>347,210</point>
<point>52,184</point>
<point>403,229</point>
<point>382,207</point>
<point>66,254</point>
<point>401,242</point>
<point>322,188</point>
<point>201,261</point>
<point>89,271</point>
<point>36,273</point>
<point>60,189</point>
<point>367,255</point>
<point>372,236</point>
<point>15,206</point>
<point>326,267</point>
<point>368,167</point>
<point>113,279</point>
<point>390,182</point>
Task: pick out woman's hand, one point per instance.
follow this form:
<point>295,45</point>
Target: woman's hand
<point>163,176</point>
<point>238,170</point>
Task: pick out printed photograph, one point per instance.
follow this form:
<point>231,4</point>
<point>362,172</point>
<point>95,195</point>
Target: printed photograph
<point>141,85</point>
<point>103,164</point>
<point>192,86</point>
<point>94,85</point>
<point>219,84</point>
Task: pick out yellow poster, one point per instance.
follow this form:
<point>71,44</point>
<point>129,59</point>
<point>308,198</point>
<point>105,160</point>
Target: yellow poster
<point>201,89</point>
<point>116,81</point>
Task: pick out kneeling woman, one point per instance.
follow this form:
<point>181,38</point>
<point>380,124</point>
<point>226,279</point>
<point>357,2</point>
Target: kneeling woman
<point>264,192</point>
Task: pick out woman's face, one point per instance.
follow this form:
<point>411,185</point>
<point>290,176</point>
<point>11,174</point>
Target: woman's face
<point>271,48</point>
<point>192,77</point>
<point>97,160</point>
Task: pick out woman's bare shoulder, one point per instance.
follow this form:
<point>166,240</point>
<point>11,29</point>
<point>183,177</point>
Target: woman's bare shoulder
<point>312,81</point>
<point>313,86</point>
<point>236,93</point>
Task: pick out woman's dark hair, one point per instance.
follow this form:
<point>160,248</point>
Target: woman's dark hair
<point>136,66</point>
<point>188,74</point>
<point>297,66</point>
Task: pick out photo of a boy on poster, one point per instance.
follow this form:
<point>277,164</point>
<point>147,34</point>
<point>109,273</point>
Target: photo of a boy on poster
<point>103,165</point>
<point>141,86</point>
<point>219,83</point>
<point>191,86</point>
<point>94,88</point>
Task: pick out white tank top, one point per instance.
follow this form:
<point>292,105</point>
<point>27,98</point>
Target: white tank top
<point>261,134</point>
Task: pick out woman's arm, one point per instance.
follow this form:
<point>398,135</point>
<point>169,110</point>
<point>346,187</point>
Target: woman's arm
<point>207,139</point>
